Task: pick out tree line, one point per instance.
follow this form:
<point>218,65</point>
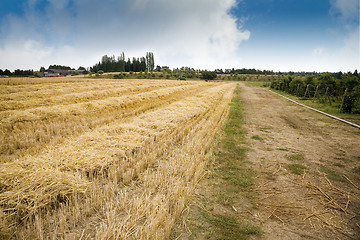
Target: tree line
<point>120,64</point>
<point>32,73</point>
<point>332,88</point>
<point>244,71</point>
<point>17,73</point>
<point>60,67</point>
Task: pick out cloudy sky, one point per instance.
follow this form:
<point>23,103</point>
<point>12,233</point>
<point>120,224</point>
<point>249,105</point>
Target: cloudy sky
<point>279,35</point>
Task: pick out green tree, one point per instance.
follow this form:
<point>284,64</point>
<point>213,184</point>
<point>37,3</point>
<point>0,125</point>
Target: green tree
<point>150,63</point>
<point>59,67</point>
<point>136,64</point>
<point>351,82</point>
<point>143,64</point>
<point>356,74</point>
<point>309,80</point>
<point>326,81</point>
<point>128,66</point>
<point>208,75</point>
<point>7,72</point>
<point>121,62</point>
<point>297,87</point>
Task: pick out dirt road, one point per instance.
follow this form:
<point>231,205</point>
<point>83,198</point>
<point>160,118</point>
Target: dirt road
<point>307,167</point>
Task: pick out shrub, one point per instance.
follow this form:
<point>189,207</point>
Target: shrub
<point>119,76</point>
<point>348,103</point>
<point>297,87</point>
<point>208,75</point>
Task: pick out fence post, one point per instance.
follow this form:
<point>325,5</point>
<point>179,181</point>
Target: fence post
<point>317,87</point>
<point>327,96</point>
<point>342,102</point>
<point>307,89</point>
<point>297,90</point>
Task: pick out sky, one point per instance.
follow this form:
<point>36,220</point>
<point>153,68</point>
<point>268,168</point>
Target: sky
<point>278,35</point>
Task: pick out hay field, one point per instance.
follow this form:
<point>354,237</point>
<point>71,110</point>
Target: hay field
<point>103,159</point>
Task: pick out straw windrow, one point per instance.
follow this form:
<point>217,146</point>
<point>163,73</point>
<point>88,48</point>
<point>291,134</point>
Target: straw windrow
<point>128,176</point>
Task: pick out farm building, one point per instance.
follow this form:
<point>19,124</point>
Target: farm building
<point>61,72</point>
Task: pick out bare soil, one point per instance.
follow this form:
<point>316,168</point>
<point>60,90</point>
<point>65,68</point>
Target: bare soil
<point>307,176</point>
<point>322,200</point>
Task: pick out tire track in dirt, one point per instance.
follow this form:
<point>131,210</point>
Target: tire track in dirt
<point>320,201</point>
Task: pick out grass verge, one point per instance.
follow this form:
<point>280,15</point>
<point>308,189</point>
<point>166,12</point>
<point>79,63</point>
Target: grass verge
<point>230,184</point>
<point>324,107</point>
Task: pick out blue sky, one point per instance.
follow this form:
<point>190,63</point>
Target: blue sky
<point>279,35</point>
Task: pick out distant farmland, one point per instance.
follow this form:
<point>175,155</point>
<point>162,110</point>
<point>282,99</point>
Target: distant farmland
<point>103,159</point>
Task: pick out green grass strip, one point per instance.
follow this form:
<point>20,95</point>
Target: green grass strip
<point>235,175</point>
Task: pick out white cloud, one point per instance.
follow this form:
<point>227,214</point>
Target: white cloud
<point>344,58</point>
<point>318,51</point>
<point>200,34</point>
<point>348,56</point>
<point>22,54</point>
<point>347,9</point>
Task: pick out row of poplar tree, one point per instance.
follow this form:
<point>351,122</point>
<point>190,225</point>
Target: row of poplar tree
<point>119,64</point>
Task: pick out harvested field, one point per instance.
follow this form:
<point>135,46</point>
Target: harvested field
<point>103,159</point>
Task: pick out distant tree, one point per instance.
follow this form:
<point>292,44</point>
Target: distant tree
<point>42,69</point>
<point>128,66</point>
<point>75,73</point>
<point>165,69</point>
<point>82,68</point>
<point>121,62</point>
<point>136,64</point>
<point>105,60</point>
<point>7,72</point>
<point>100,72</point>
<point>356,74</point>
<point>337,75</point>
<point>143,64</point>
<point>119,76</point>
<point>23,73</point>
<point>59,67</point>
<point>150,63</point>
<point>112,64</point>
<point>208,75</point>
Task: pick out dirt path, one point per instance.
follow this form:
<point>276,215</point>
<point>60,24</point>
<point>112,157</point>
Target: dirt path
<point>307,167</point>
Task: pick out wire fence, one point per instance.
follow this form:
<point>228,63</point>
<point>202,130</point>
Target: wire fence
<point>316,110</point>
<point>347,100</point>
